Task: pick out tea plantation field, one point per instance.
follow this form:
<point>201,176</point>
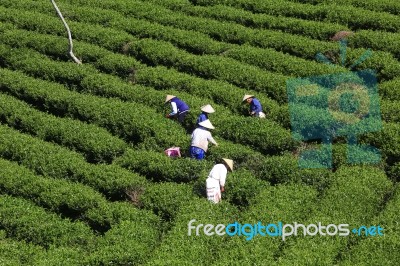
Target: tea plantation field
<point>83,175</point>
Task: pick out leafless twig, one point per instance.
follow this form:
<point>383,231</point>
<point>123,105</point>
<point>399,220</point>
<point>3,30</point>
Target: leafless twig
<point>71,53</point>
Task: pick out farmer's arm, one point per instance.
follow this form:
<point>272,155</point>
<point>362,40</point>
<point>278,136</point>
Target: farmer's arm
<point>211,139</point>
<point>174,109</point>
<point>222,179</point>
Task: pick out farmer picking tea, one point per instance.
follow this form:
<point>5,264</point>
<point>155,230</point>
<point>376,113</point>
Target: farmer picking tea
<point>179,108</point>
<point>205,111</point>
<point>255,106</point>
<point>215,182</point>
<point>200,138</point>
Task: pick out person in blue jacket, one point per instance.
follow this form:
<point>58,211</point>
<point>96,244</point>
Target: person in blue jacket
<point>205,110</point>
<point>255,106</point>
<point>179,108</point>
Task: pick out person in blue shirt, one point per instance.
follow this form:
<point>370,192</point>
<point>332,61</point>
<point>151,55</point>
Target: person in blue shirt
<point>205,110</point>
<point>179,108</point>
<point>255,106</point>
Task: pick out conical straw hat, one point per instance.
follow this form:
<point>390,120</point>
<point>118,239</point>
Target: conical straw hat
<point>246,97</point>
<point>229,162</point>
<point>206,124</point>
<point>207,109</point>
<point>169,97</point>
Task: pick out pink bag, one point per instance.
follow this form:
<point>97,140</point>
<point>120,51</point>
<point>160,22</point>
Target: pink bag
<point>173,152</point>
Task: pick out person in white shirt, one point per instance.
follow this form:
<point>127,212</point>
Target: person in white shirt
<point>215,182</point>
<point>200,138</point>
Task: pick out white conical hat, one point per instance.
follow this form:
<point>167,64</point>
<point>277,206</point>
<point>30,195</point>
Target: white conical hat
<point>207,109</point>
<point>169,97</point>
<point>206,124</point>
<point>229,162</point>
<point>246,97</point>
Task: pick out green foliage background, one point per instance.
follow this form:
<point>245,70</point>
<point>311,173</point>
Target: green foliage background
<point>83,176</point>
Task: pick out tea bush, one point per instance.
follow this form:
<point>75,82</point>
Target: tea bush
<point>285,203</point>
<point>23,220</point>
<point>178,247</point>
<point>57,162</point>
<point>361,191</point>
<point>379,250</point>
<point>95,143</point>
